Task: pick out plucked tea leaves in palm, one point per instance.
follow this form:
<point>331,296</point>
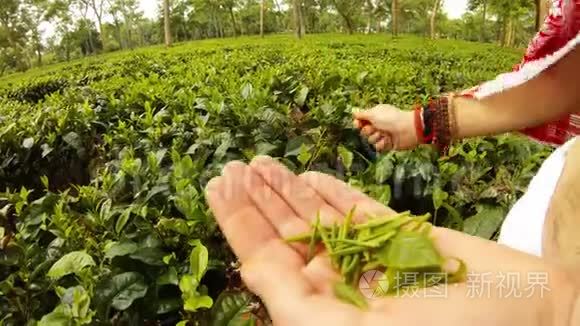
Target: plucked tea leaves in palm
<point>398,248</point>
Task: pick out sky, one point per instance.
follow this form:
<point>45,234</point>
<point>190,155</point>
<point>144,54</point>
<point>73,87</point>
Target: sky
<point>453,8</point>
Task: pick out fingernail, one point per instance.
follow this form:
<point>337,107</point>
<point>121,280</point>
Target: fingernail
<point>213,184</point>
<point>261,160</point>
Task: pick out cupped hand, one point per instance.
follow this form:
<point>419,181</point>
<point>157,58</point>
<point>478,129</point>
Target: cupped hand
<point>387,127</point>
<point>259,204</point>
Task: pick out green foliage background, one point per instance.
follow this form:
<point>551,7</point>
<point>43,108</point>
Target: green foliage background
<point>103,163</point>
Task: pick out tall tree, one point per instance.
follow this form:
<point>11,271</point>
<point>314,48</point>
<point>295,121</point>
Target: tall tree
<point>37,11</point>
<point>12,35</point>
<point>99,8</point>
<point>167,20</point>
<point>297,18</point>
<point>509,12</point>
<point>230,5</point>
<point>434,11</point>
<point>262,10</point>
<point>348,10</point>
<point>84,6</point>
<point>129,10</point>
<point>395,17</point>
<point>542,8</point>
<point>480,4</point>
<point>369,9</point>
<point>381,13</point>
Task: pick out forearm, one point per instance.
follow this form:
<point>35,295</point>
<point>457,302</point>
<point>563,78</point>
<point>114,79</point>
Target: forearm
<point>546,98</point>
<point>575,315</point>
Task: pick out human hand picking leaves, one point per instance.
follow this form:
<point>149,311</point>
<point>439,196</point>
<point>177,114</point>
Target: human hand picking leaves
<point>387,127</point>
<point>260,204</point>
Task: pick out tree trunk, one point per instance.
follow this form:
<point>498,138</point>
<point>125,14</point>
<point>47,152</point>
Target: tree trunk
<point>349,24</point>
<point>91,45</point>
<point>167,20</point>
<point>102,34</point>
<point>39,54</point>
<point>513,34</point>
<point>434,17</point>
<point>234,22</point>
<point>508,29</point>
<point>296,12</point>
<point>129,35</point>
<point>542,9</point>
<point>483,20</point>
<point>394,17</point>
<point>302,20</point>
<point>262,8</point>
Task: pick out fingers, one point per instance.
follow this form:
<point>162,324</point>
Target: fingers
<point>384,144</point>
<point>275,209</point>
<point>365,115</point>
<point>343,198</point>
<point>275,275</point>
<point>243,225</point>
<point>375,137</point>
<point>381,141</point>
<point>366,127</point>
<point>298,195</point>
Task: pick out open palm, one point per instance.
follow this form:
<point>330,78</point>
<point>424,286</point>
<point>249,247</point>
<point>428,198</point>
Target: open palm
<point>259,204</point>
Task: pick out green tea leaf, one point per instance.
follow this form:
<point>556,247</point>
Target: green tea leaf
<point>117,249</point>
<point>348,294</point>
<point>46,149</point>
<point>195,303</point>
<point>56,318</point>
<point>486,222</point>
<point>247,91</point>
<point>71,263</point>
<point>198,260</point>
<point>222,149</point>
<point>264,148</point>
<point>151,256</point>
<point>294,145</point>
<point>301,96</point>
<point>121,290</point>
<point>305,155</point>
<point>123,219</point>
<point>170,277</point>
<point>410,251</point>
<point>439,197</point>
<point>11,255</point>
<point>384,169</point>
<point>177,225</point>
<point>346,157</point>
<point>168,305</point>
<point>28,143</point>
<point>230,309</point>
<point>193,300</point>
<point>74,140</point>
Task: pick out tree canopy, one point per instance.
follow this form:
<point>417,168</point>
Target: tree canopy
<point>87,27</point>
